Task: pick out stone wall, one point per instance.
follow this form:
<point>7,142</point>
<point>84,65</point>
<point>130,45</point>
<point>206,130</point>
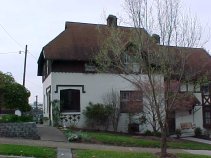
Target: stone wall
<point>21,130</point>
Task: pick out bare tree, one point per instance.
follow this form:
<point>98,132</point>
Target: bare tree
<point>124,52</point>
<point>113,99</point>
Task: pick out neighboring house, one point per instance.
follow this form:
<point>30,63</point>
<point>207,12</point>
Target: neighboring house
<point>70,77</point>
<point>195,111</point>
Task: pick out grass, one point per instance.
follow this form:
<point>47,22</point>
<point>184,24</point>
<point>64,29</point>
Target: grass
<point>21,150</point>
<point>109,154</point>
<point>122,140</point>
<point>192,156</point>
<point>127,140</point>
<point>114,154</point>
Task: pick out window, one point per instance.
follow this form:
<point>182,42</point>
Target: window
<point>126,59</point>
<point>131,101</point>
<point>70,100</point>
<point>205,89</point>
<point>130,63</point>
<point>207,116</point>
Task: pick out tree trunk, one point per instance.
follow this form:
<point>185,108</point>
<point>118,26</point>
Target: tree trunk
<point>163,143</point>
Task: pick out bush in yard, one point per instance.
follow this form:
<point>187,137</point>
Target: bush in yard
<point>148,133</point>
<point>97,115</point>
<point>15,118</point>
<point>56,112</point>
<point>133,128</point>
<point>198,132</point>
<point>157,134</point>
<point>76,136</point>
<point>178,133</point>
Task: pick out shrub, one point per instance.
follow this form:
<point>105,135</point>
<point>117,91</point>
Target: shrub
<point>77,136</point>
<point>178,133</point>
<point>97,115</point>
<point>157,134</point>
<point>56,112</point>
<point>198,132</point>
<point>148,133</point>
<point>14,118</point>
<point>133,128</point>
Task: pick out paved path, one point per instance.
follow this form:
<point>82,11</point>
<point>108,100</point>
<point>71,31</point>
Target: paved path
<point>201,152</point>
<point>197,140</point>
<point>51,134</point>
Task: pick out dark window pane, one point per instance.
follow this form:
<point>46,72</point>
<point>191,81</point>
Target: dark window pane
<point>70,100</point>
<point>207,116</point>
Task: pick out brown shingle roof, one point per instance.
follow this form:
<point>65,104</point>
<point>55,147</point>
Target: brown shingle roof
<point>81,41</point>
<point>77,42</point>
<point>185,101</point>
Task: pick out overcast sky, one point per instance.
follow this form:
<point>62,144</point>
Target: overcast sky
<point>36,22</point>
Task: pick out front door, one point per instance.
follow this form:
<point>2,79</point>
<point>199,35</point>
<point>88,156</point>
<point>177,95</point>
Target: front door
<point>171,122</point>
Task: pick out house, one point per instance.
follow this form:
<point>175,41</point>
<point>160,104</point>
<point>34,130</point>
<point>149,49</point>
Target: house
<point>70,77</point>
<point>198,113</point>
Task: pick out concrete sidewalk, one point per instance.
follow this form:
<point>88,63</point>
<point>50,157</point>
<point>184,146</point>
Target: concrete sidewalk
<point>198,140</point>
<point>48,133</point>
<point>201,152</point>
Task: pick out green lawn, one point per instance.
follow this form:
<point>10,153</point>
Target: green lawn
<point>122,140</point>
<point>127,140</point>
<point>192,156</point>
<point>114,154</point>
<point>109,154</point>
<point>21,150</point>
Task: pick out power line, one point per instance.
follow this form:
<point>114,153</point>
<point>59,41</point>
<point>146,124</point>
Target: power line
<point>18,52</point>
<point>11,36</point>
<point>32,55</point>
<point>18,43</point>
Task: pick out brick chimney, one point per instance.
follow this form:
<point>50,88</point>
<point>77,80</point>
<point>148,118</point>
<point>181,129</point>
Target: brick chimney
<point>112,21</point>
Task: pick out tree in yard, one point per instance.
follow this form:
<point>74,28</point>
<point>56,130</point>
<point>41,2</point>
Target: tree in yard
<point>161,59</point>
<point>14,95</point>
<point>112,99</point>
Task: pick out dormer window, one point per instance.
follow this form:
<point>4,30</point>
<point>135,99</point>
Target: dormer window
<point>130,63</point>
<point>126,59</point>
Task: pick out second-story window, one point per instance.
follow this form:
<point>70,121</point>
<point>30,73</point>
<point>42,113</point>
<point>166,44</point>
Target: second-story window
<point>131,65</point>
<point>205,89</point>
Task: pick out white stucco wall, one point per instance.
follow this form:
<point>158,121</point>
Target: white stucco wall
<point>46,84</point>
<point>96,86</point>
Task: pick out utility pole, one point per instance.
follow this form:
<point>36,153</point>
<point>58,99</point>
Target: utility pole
<point>24,71</point>
<point>36,102</point>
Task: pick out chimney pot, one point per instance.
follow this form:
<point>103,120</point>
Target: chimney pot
<point>156,38</point>
<point>112,21</point>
